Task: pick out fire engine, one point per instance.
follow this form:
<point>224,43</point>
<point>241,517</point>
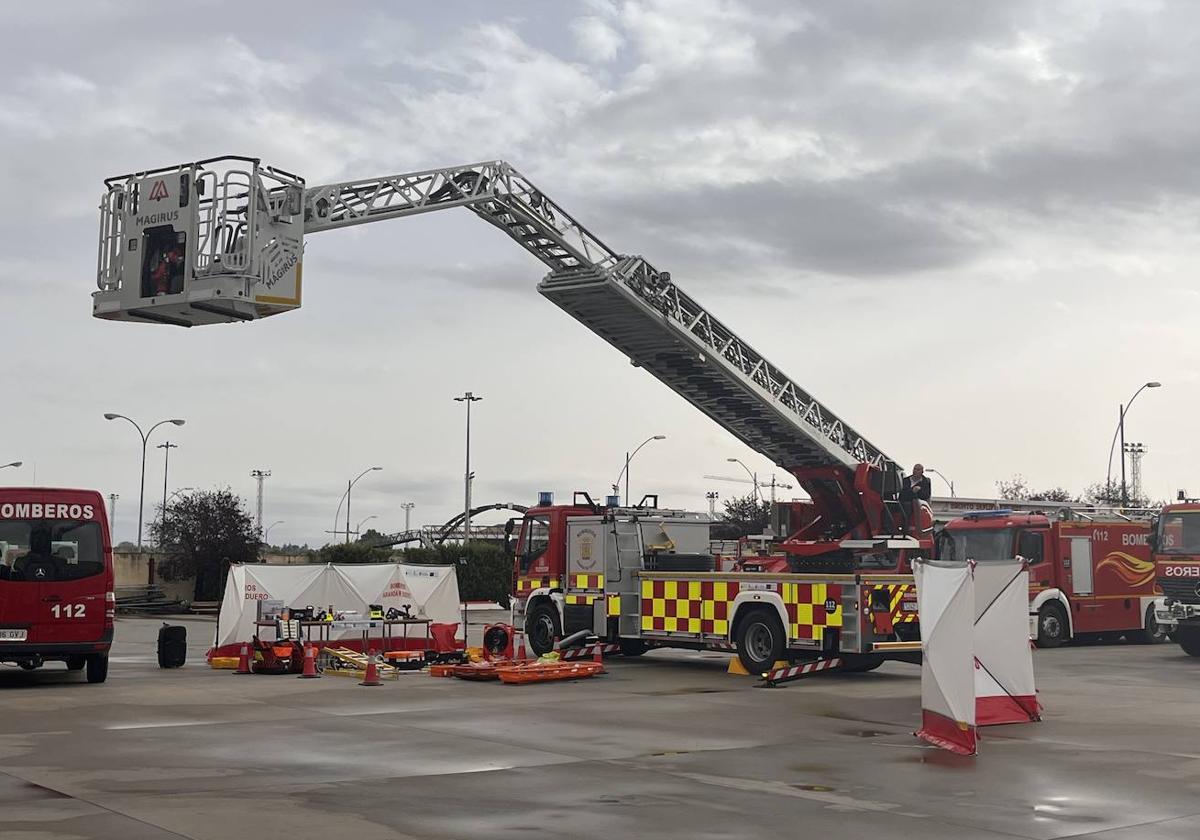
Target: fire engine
<point>1176,545</point>
<point>56,579</point>
<point>231,233</point>
<point>1089,573</point>
<point>642,577</point>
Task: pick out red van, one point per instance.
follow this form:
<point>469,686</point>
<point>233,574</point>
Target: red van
<point>56,579</point>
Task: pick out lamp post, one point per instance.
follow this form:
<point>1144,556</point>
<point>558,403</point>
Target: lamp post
<point>145,436</point>
<point>625,472</point>
<point>468,398</point>
<point>358,527</point>
<point>268,531</point>
<point>949,483</point>
<point>408,506</point>
<point>346,498</point>
<point>166,446</point>
<point>753,477</point>
<point>1120,432</point>
<point>11,464</point>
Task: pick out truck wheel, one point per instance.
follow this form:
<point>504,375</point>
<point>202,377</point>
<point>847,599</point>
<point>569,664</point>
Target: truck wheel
<point>1052,625</point>
<point>76,663</point>
<point>633,647</point>
<point>97,667</point>
<point>542,628</point>
<point>1189,640</point>
<point>1151,633</point>
<point>760,640</point>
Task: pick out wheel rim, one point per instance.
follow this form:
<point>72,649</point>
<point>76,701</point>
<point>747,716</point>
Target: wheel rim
<point>1152,627</point>
<point>543,631</point>
<point>1051,625</point>
<point>760,642</point>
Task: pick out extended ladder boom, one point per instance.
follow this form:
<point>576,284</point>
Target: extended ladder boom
<point>247,223</point>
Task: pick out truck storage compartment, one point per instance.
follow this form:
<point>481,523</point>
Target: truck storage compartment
<point>679,562</point>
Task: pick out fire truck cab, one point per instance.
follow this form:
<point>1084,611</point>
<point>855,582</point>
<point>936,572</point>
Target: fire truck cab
<point>1176,546</point>
<point>642,577</point>
<point>1087,575</point>
<point>56,579</point>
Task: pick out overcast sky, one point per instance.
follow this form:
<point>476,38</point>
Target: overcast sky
<point>969,228</point>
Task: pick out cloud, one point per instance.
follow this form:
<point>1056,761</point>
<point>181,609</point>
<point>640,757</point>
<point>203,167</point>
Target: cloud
<point>596,39</point>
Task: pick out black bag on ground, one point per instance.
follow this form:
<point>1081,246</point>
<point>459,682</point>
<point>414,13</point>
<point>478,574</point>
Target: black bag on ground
<point>172,646</point>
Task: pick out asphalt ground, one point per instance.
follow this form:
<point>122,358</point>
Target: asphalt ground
<point>666,745</point>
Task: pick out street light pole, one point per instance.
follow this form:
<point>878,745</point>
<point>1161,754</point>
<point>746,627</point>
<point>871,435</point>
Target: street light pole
<point>753,477</point>
<point>346,498</point>
<point>1120,432</point>
<point>268,532</point>
<point>358,527</point>
<point>145,436</point>
<point>11,464</point>
<point>468,398</point>
<point>162,515</point>
<point>408,506</point>
<point>625,472</point>
<point>949,483</point>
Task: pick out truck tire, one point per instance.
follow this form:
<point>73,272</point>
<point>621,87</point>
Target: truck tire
<point>1189,640</point>
<point>1052,625</point>
<point>760,640</point>
<point>97,667</point>
<point>542,627</point>
<point>1151,632</point>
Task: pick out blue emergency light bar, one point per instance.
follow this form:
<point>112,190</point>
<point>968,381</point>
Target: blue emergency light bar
<point>988,514</point>
<point>545,498</point>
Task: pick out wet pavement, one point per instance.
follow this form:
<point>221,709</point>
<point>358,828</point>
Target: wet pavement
<point>666,745</point>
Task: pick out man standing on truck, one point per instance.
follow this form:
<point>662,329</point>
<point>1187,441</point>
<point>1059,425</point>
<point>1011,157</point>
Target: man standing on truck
<point>917,486</point>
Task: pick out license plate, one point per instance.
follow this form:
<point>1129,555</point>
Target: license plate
<point>11,635</point>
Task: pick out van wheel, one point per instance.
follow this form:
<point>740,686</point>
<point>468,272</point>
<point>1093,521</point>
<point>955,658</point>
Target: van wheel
<point>1189,640</point>
<point>542,628</point>
<point>76,663</point>
<point>1052,626</point>
<point>760,641</point>
<point>97,667</point>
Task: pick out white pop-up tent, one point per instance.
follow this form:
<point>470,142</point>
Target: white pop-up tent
<point>430,592</point>
<point>946,602</point>
<point>1004,688</point>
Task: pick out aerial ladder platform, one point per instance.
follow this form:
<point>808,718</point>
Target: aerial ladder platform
<point>222,240</point>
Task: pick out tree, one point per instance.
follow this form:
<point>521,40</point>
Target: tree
<point>1109,493</point>
<point>1016,489</point>
<point>372,537</point>
<point>354,552</point>
<point>202,533</point>
<point>485,571</point>
<point>743,516</point>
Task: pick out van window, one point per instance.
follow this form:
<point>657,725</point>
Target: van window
<point>40,551</point>
<point>534,540</point>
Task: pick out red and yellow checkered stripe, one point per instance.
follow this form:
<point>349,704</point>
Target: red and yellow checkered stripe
<point>896,594</point>
<point>811,607</point>
<point>584,589</point>
<point>706,607</point>
<point>688,606</point>
<point>587,582</point>
<point>525,585</point>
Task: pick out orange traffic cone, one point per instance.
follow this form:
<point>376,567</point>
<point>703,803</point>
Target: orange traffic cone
<point>310,663</point>
<point>521,656</point>
<point>243,660</point>
<point>371,677</point>
<point>598,653</point>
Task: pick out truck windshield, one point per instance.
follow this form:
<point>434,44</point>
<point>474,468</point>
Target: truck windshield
<point>978,544</point>
<point>1179,532</point>
<point>535,537</point>
<point>39,551</point>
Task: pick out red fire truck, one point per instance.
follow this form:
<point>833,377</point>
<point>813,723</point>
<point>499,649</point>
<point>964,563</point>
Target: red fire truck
<point>56,579</point>
<point>1176,544</point>
<point>641,577</point>
<point>1091,574</point>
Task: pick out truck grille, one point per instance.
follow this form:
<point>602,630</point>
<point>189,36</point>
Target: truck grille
<point>1180,590</point>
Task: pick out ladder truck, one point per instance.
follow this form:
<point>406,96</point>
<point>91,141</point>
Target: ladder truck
<point>221,240</point>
